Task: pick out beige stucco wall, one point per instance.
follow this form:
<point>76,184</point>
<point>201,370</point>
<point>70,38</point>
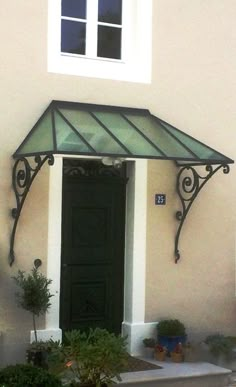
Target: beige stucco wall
<point>193,87</point>
<point>196,87</point>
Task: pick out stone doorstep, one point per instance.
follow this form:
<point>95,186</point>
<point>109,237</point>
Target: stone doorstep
<point>233,379</point>
<point>184,374</point>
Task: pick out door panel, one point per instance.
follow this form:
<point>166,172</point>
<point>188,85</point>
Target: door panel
<point>92,274</point>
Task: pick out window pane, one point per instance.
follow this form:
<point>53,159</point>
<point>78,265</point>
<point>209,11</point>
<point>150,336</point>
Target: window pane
<point>201,150</point>
<point>73,35</point>
<point>155,132</point>
<point>93,132</point>
<point>41,138</point>
<point>109,42</point>
<point>74,8</point>
<point>67,139</point>
<point>128,135</point>
<point>110,11</point>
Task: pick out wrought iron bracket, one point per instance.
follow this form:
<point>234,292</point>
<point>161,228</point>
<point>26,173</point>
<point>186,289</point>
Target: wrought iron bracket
<point>23,175</point>
<point>188,185</point>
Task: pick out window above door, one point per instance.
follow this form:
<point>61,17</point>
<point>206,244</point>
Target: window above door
<point>101,38</point>
<point>92,28</point>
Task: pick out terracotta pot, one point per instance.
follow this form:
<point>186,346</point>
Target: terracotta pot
<point>149,352</point>
<point>170,342</point>
<point>177,357</point>
<point>160,356</point>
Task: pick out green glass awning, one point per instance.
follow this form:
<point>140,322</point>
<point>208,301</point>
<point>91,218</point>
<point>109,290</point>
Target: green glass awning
<point>98,130</point>
<point>70,128</point>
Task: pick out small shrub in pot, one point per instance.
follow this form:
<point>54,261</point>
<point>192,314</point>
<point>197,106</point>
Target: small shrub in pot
<point>170,333</point>
<point>149,342</point>
<point>220,345</point>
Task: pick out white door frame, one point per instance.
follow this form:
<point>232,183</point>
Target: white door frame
<point>135,254</point>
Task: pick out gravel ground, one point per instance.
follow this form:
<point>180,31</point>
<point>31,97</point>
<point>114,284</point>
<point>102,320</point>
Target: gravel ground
<point>135,364</point>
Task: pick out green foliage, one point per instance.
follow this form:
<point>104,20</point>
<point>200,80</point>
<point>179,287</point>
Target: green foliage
<point>38,352</point>
<point>25,375</point>
<point>171,328</point>
<point>46,346</point>
<point>94,357</point>
<point>232,339</point>
<point>220,344</point>
<point>149,342</point>
<point>34,295</point>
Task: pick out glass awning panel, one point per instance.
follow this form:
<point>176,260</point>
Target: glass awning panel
<point>96,130</point>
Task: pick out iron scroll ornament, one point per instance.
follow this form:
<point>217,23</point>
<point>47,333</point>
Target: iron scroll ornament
<point>189,184</point>
<point>23,175</point>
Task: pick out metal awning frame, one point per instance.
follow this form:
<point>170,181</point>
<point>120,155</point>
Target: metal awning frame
<point>23,174</point>
<point>189,183</point>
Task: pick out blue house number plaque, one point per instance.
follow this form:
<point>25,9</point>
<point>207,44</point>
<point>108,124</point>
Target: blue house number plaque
<point>160,199</point>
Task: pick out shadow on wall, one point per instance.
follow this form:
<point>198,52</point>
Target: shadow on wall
<point>12,351</point>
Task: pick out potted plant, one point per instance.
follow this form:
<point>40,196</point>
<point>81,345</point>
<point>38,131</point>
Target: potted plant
<point>89,359</point>
<point>34,296</point>
<point>220,345</point>
<point>170,333</point>
<point>160,352</point>
<point>177,354</point>
<point>38,352</point>
<point>149,344</point>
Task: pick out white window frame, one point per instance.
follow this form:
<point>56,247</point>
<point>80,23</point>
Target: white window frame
<point>92,23</point>
<point>135,65</point>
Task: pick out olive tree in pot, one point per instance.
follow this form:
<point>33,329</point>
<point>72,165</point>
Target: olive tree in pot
<point>34,296</point>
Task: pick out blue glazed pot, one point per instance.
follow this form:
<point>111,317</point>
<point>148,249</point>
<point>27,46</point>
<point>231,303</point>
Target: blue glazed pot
<point>170,342</point>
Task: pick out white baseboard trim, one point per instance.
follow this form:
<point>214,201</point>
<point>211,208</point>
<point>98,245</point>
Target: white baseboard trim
<point>136,332</point>
<point>47,334</point>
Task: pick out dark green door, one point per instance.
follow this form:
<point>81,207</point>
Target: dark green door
<point>92,263</point>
